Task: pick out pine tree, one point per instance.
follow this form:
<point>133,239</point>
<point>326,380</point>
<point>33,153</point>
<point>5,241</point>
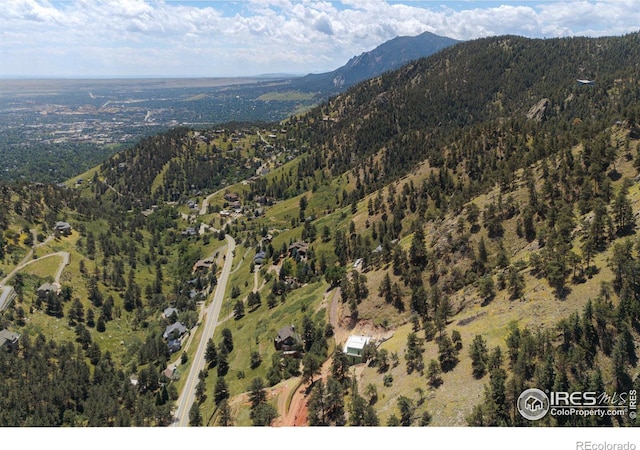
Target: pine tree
<point>225,419</point>
<point>418,250</point>
<point>195,418</point>
<point>317,409</point>
<point>238,310</point>
<point>221,391</point>
<point>211,354</point>
<point>479,355</point>
<point>433,373</point>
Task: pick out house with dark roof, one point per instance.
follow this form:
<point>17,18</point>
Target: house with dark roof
<point>299,250</point>
<point>9,340</point>
<point>231,197</point>
<point>174,345</point>
<point>62,228</point>
<point>287,340</point>
<point>44,290</point>
<point>202,265</point>
<point>174,331</point>
<point>259,258</point>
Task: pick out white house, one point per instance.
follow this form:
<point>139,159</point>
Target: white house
<point>354,348</point>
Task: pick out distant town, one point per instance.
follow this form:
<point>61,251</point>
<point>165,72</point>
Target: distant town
<point>88,120</point>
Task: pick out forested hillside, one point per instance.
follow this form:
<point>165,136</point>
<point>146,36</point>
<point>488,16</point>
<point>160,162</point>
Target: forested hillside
<point>470,177</point>
<point>475,213</point>
<point>464,108</point>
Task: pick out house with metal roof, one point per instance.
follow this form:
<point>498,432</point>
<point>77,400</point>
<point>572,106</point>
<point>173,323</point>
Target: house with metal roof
<point>354,348</point>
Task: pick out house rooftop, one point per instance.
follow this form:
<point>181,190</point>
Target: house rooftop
<point>8,336</point>
<point>287,332</point>
<point>181,329</point>
<point>7,294</point>
<point>169,312</point>
<point>45,288</point>
<point>356,342</point>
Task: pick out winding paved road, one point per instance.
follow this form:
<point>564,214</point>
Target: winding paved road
<point>210,320</point>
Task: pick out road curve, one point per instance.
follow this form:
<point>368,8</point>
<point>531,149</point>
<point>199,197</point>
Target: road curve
<point>210,320</point>
<point>205,201</point>
<point>28,260</point>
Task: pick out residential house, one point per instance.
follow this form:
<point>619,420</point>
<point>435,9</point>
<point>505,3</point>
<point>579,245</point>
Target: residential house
<point>287,340</point>
<point>354,348</point>
<point>7,295</point>
<point>168,312</point>
<point>202,265</point>
<point>259,258</point>
<point>174,331</point>
<point>170,372</point>
<point>231,197</point>
<point>62,228</point>
<point>9,340</point>
<point>190,231</point>
<point>174,345</point>
<point>44,290</point>
<point>299,250</point>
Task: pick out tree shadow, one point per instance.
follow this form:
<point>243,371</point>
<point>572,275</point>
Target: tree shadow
<point>562,293</point>
<point>488,300</point>
<point>614,175</point>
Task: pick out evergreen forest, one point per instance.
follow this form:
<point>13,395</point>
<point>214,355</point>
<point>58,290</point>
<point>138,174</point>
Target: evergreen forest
<point>474,213</point>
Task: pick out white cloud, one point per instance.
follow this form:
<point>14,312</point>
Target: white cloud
<point>164,38</point>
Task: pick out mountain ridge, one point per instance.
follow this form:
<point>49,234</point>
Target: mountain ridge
<point>389,55</point>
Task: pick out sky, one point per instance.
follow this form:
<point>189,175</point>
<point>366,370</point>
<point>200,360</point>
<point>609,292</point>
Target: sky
<point>198,38</point>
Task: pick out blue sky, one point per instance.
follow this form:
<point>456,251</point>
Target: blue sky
<point>195,38</point>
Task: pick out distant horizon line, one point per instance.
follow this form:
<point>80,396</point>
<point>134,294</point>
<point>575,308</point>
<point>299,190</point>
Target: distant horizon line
<point>148,77</point>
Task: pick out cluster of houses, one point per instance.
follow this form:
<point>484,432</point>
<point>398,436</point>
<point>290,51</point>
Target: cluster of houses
<point>174,332</point>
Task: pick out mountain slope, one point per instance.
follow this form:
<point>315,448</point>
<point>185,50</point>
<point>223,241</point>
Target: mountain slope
<point>478,199</point>
<point>391,123</point>
<point>390,55</point>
